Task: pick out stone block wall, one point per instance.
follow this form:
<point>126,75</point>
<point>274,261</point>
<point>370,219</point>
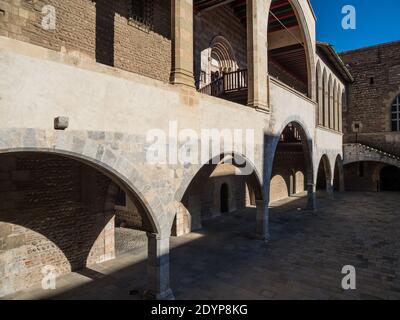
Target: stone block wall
<point>377,82</point>
<point>52,212</point>
<point>99,30</point>
<point>287,164</point>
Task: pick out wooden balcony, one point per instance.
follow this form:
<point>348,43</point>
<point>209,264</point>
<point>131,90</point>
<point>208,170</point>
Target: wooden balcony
<point>232,86</point>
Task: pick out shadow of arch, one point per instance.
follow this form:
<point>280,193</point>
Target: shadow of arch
<point>127,186</point>
<point>56,212</point>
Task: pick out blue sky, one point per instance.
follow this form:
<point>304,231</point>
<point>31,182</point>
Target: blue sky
<point>378,21</point>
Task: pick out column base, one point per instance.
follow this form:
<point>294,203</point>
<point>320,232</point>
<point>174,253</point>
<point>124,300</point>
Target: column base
<point>263,237</point>
<point>166,295</point>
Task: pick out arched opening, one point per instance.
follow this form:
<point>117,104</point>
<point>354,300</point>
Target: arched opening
<point>60,212</point>
<point>325,99</point>
<point>320,95</point>
<point>390,178</point>
<point>292,163</point>
<point>288,55</point>
<point>324,175</point>
<point>217,60</point>
<point>224,194</point>
<point>218,187</point>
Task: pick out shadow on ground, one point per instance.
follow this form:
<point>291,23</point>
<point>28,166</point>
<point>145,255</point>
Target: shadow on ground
<point>303,260</point>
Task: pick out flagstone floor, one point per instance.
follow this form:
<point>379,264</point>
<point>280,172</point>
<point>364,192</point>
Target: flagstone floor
<point>303,260</point>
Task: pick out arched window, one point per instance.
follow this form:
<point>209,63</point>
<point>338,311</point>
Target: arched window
<point>396,114</point>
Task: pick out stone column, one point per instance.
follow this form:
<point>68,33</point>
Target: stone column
<point>262,220</point>
<point>182,41</point>
<point>158,268</point>
<point>257,54</point>
<point>312,196</point>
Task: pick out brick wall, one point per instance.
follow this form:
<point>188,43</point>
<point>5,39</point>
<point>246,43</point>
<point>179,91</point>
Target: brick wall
<point>370,103</point>
<point>99,30</point>
<point>52,212</point>
<point>286,164</point>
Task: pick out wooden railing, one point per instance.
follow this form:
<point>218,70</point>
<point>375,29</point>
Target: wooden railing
<point>290,134</point>
<point>228,82</point>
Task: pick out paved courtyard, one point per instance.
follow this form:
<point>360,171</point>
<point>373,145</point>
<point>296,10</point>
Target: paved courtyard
<point>303,260</point>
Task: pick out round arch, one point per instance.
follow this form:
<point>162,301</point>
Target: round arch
<point>204,170</point>
<point>309,47</point>
<point>320,94</point>
<point>115,176</point>
<point>307,147</point>
<point>324,173</point>
<point>307,142</point>
<point>222,50</point>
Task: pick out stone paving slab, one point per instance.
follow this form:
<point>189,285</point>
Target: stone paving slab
<point>303,260</point>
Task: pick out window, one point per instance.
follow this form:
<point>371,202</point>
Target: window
<point>371,80</point>
<point>141,11</point>
<point>396,114</point>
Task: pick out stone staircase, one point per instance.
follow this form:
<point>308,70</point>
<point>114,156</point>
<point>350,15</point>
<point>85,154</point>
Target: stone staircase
<point>356,152</point>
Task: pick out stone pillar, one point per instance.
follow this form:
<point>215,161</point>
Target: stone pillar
<point>312,197</point>
<point>262,221</point>
<point>257,54</point>
<point>158,268</point>
<point>182,41</point>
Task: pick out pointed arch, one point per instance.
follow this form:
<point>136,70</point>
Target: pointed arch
<point>320,95</point>
<point>325,98</point>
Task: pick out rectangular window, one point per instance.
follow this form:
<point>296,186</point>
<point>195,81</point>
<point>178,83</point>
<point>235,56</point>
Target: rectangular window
<point>141,11</point>
<point>394,126</point>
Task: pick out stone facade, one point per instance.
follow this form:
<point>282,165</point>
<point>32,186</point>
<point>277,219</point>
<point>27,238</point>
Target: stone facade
<point>371,144</point>
<point>111,111</point>
<point>53,213</point>
<point>376,71</point>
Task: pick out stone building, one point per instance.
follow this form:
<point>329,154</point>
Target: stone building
<point>372,118</point>
<point>82,85</point>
